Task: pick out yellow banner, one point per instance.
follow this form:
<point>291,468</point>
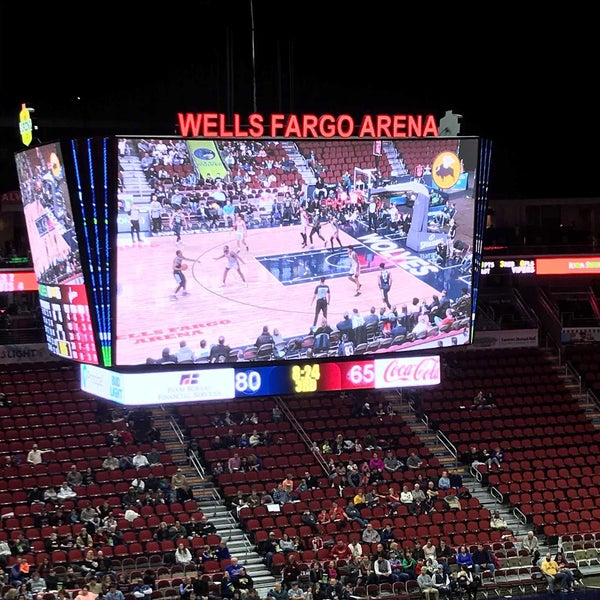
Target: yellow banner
<point>206,158</point>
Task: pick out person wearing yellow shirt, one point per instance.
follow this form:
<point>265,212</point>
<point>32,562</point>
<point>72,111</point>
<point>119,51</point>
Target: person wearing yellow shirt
<point>360,500</point>
<point>555,575</point>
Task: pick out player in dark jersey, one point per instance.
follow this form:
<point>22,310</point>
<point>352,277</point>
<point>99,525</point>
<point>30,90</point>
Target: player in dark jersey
<point>178,274</point>
<point>385,283</point>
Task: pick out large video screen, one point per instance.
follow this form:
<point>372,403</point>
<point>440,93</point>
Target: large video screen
<point>254,250</point>
<point>55,253</point>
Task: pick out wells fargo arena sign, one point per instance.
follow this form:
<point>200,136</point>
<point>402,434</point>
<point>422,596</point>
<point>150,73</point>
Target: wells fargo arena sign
<point>306,126</point>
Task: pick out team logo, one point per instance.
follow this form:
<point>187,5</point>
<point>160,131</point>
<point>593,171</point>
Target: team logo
<point>446,170</point>
<point>55,165</point>
<point>189,379</point>
<point>204,154</point>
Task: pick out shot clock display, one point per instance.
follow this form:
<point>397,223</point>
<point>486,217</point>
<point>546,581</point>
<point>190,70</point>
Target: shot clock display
<point>196,385</point>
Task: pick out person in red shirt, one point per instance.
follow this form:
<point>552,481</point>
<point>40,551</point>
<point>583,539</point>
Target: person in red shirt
<point>337,515</point>
<point>340,551</point>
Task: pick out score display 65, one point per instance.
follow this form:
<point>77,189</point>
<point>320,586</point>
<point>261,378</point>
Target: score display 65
<point>332,376</point>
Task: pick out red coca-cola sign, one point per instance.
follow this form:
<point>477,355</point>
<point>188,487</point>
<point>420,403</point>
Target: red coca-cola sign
<point>407,372</point>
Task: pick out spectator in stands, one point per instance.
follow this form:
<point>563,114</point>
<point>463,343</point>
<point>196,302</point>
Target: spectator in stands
<point>426,584</point>
<point>406,498</point>
<point>413,461</point>
<point>383,570</point>
<point>370,535</point>
<point>571,567</point>
<point>276,414</point>
<point>269,548</point>
<point>85,594</point>
<point>464,558</point>
<point>203,352</point>
<point>65,492</point>
<point>431,495</point>
<point>234,463</point>
<point>462,583</point>
<point>482,560</point>
<point>154,457</point>
<point>456,481</point>
<point>227,588</point>
<point>179,483</point>
<point>222,552</point>
<point>286,544</point>
<point>167,358</point>
<point>74,477</point>
<point>184,353</point>
<point>391,462</point>
<point>35,455</point>
<point>243,582</point>
<point>281,496</point>
<point>441,581</point>
<point>353,513</point>
<point>443,555</point>
<point>531,544</point>
<point>140,460</point>
<point>337,515</point>
<point>497,522</point>
<point>183,556</point>
<point>555,574</point>
<point>110,463</point>
<point>88,512</point>
<point>496,457</point>
<point>290,571</point>
<point>429,549</point>
<point>444,481</point>
<point>309,518</point>
<point>278,592</point>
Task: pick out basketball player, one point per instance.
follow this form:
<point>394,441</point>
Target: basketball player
<point>304,226</point>
<point>178,274</point>
<point>385,283</point>
<point>335,230</point>
<point>316,228</point>
<point>354,269</point>
<point>178,220</point>
<point>233,262</point>
<point>241,232</point>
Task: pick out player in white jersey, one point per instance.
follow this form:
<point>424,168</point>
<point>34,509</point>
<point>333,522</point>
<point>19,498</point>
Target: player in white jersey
<point>354,272</point>
<point>233,262</point>
<point>241,232</point>
<point>304,226</point>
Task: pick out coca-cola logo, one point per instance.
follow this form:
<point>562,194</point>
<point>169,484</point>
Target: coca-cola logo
<point>426,369</point>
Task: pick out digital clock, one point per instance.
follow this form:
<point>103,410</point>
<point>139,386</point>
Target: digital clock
<point>306,377</point>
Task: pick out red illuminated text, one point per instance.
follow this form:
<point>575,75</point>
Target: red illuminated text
<point>306,126</point>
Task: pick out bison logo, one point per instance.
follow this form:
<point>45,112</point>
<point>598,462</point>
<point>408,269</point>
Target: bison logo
<point>446,170</point>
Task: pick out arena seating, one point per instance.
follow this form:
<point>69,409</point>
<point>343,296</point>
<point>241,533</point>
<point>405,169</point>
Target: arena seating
<point>551,472</point>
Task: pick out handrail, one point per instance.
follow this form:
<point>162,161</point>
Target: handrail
<point>572,372</point>
<point>520,516</point>
<point>301,432</point>
<point>497,494</point>
<point>443,439</point>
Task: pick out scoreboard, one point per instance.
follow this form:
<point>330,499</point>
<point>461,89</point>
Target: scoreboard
<point>193,385</point>
<point>107,299</point>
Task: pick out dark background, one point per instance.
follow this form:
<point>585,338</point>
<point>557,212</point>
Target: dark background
<point>524,81</point>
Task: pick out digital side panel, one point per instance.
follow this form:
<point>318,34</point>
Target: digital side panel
<point>295,249</point>
<point>94,188</point>
<point>55,251</point>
